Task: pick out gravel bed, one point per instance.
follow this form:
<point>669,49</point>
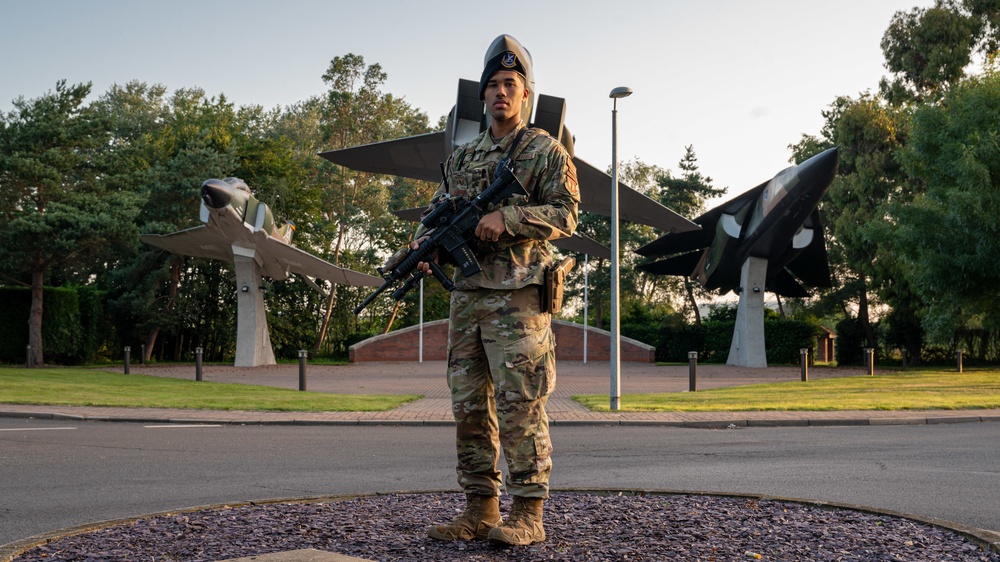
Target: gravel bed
<point>580,527</point>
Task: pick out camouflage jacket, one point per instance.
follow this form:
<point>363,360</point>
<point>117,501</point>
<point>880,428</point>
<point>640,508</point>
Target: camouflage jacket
<point>549,211</point>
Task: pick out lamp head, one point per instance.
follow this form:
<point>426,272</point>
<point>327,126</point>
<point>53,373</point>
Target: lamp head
<point>620,92</point>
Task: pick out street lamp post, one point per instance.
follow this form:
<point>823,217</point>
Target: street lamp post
<point>619,92</point>
<point>586,284</point>
<point>420,347</point>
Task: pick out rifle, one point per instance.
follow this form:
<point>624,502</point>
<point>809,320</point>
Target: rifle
<point>451,226</point>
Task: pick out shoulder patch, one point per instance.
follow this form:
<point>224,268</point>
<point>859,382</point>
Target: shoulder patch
<point>572,185</point>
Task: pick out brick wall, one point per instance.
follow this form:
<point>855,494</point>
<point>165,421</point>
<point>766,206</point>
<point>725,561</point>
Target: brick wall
<point>404,345</point>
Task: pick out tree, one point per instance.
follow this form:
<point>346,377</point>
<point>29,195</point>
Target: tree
<point>948,234</point>
<point>686,196</point>
<point>171,144</point>
<point>59,212</point>
<point>632,284</point>
<point>929,49</point>
<point>869,133</point>
<point>356,220</point>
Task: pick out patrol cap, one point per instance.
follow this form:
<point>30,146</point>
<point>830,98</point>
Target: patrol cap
<point>506,53</point>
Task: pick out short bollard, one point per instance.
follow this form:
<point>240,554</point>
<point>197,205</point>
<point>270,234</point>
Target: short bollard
<point>870,361</point>
<point>692,371</point>
<point>902,354</point>
<point>302,369</point>
<point>198,352</point>
<point>27,358</point>
<point>959,358</point>
<point>804,361</point>
<point>128,353</point>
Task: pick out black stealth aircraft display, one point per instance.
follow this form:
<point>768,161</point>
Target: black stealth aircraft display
<point>776,221</point>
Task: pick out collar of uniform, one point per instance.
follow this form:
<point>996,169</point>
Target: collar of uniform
<point>487,144</point>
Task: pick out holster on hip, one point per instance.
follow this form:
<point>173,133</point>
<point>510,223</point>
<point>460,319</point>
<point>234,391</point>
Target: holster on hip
<point>555,280</point>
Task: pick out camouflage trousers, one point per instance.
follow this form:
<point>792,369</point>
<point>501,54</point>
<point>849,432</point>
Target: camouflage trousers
<point>501,370</point>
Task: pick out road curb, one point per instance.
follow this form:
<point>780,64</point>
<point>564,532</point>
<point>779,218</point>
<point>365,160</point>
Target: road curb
<point>618,421</point>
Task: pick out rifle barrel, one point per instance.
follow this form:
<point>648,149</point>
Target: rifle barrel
<point>371,297</point>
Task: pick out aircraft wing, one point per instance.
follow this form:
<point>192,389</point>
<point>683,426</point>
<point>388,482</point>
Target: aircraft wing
<point>595,197</point>
<point>294,260</point>
<point>198,241</point>
<point>584,245</point>
<point>782,283</point>
<point>683,264</point>
<point>733,206</point>
<point>202,242</point>
<point>418,157</point>
<point>412,214</point>
<point>681,242</point>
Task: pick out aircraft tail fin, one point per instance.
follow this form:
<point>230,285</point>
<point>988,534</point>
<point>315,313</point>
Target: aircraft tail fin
<point>285,232</point>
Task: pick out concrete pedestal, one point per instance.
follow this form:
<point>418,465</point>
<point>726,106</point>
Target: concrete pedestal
<point>253,343</point>
<point>747,349</point>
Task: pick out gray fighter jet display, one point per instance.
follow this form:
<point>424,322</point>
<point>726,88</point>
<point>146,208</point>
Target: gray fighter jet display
<point>767,239</point>
<point>241,230</point>
<point>420,157</point>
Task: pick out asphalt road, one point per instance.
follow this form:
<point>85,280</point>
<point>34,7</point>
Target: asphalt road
<point>56,474</point>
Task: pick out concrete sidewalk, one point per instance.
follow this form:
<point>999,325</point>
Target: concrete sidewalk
<point>427,379</point>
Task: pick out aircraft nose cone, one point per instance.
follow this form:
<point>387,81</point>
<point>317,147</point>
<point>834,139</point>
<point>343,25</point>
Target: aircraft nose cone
<point>820,169</point>
<point>503,43</point>
<point>216,193</point>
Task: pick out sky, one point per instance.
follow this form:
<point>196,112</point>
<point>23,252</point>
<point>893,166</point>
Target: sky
<point>739,80</point>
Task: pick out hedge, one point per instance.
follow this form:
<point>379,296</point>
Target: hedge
<point>782,339</point>
<point>75,326</point>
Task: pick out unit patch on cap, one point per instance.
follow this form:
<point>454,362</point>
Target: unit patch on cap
<point>508,60</point>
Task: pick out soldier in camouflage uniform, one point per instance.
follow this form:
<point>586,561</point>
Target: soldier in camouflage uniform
<point>501,356</point>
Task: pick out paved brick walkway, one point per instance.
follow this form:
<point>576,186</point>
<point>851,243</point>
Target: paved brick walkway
<point>427,379</point>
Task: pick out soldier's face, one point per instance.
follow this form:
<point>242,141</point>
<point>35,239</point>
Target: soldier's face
<point>505,93</point>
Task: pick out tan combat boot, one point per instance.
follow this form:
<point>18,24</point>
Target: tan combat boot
<point>523,525</point>
<point>481,514</point>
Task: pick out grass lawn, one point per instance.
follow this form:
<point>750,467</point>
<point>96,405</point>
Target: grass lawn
<point>910,390</point>
<point>87,387</point>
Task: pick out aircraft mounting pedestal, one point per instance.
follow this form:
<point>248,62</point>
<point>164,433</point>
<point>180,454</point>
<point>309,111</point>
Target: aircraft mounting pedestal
<point>747,349</point>
<point>253,343</point>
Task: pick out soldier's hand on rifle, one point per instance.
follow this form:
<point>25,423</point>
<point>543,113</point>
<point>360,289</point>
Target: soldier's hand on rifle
<point>423,266</point>
<point>490,227</point>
